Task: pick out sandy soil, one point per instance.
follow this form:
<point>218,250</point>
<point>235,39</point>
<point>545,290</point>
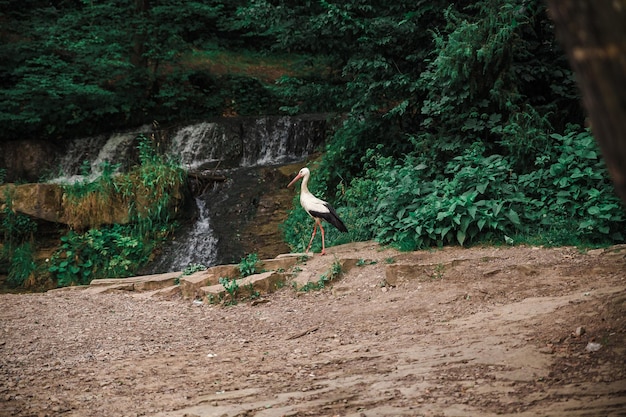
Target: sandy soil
<point>469,332</point>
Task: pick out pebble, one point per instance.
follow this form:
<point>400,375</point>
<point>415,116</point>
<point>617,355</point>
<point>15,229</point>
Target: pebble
<point>593,347</point>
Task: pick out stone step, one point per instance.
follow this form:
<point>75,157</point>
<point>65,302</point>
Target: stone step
<point>191,284</point>
<point>272,273</point>
<point>140,283</point>
<point>308,277</point>
<point>249,287</point>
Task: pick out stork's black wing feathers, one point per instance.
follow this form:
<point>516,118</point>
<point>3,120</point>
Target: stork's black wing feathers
<point>331,217</point>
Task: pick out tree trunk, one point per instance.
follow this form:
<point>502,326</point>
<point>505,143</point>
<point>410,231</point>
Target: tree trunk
<point>593,33</point>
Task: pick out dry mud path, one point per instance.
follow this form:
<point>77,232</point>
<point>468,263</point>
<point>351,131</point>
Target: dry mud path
<point>452,332</point>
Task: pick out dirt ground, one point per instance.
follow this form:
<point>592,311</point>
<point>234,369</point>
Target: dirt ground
<point>463,332</point>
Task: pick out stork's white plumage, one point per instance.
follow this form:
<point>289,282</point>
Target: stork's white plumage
<point>318,209</point>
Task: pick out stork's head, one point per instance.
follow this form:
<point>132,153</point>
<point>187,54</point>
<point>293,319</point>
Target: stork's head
<point>304,173</point>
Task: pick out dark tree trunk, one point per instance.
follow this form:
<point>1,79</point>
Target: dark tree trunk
<point>593,33</point>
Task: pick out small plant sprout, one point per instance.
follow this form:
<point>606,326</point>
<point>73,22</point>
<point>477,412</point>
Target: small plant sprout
<point>438,272</point>
<point>193,268</point>
<point>363,262</point>
<point>248,265</point>
<point>231,287</point>
<point>254,294</point>
<point>335,271</point>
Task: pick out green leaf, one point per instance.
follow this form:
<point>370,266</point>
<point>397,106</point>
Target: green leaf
<point>460,237</point>
<point>513,217</point>
<point>594,210</point>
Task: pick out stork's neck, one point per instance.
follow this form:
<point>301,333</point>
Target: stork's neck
<point>304,188</point>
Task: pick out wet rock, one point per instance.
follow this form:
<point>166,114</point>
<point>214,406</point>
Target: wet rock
<point>27,160</point>
<point>41,201</point>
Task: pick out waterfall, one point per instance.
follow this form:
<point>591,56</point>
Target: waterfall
<point>245,142</point>
<point>238,146</point>
<point>274,140</point>
<point>114,149</point>
<point>197,246</point>
<point>198,145</point>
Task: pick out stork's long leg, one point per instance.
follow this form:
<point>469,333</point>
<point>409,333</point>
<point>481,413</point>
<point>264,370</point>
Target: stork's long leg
<point>313,235</point>
<point>323,247</point>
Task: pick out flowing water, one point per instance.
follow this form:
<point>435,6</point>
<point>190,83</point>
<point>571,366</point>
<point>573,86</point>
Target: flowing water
<point>93,152</point>
<point>195,245</point>
<point>237,146</point>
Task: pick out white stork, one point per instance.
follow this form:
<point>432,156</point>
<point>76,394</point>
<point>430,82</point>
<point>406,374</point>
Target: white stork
<point>318,209</point>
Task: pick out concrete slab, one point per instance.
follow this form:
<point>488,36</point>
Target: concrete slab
<point>140,283</point>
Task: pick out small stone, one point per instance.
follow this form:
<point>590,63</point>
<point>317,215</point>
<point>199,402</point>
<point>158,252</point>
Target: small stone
<point>593,347</point>
<point>595,252</point>
<point>579,331</point>
<point>547,350</point>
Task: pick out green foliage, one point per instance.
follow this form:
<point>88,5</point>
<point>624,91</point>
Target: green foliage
<point>22,264</point>
<point>78,66</point>
<point>17,248</point>
<point>454,117</point>
<point>413,211</point>
<point>253,294</point>
<point>98,253</point>
<point>17,228</point>
<point>248,265</point>
<point>231,287</point>
<point>325,279</point>
<point>481,198</point>
<point>570,190</point>
<point>363,262</point>
<point>118,250</point>
<point>467,141</point>
<point>193,268</point>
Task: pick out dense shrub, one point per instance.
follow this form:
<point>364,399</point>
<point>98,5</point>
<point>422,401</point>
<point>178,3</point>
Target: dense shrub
<point>482,142</point>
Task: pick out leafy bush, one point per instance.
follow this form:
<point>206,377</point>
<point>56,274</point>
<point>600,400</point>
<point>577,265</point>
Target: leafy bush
<point>480,197</point>
<point>471,144</point>
<point>231,287</point>
<point>22,264</point>
<point>98,253</point>
<point>16,227</point>
<point>571,190</point>
<point>412,210</point>
<point>119,250</point>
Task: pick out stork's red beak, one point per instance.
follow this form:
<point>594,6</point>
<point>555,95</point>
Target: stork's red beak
<point>294,180</point>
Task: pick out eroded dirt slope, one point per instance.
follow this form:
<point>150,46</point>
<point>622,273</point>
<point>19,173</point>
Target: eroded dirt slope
<point>461,332</point>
